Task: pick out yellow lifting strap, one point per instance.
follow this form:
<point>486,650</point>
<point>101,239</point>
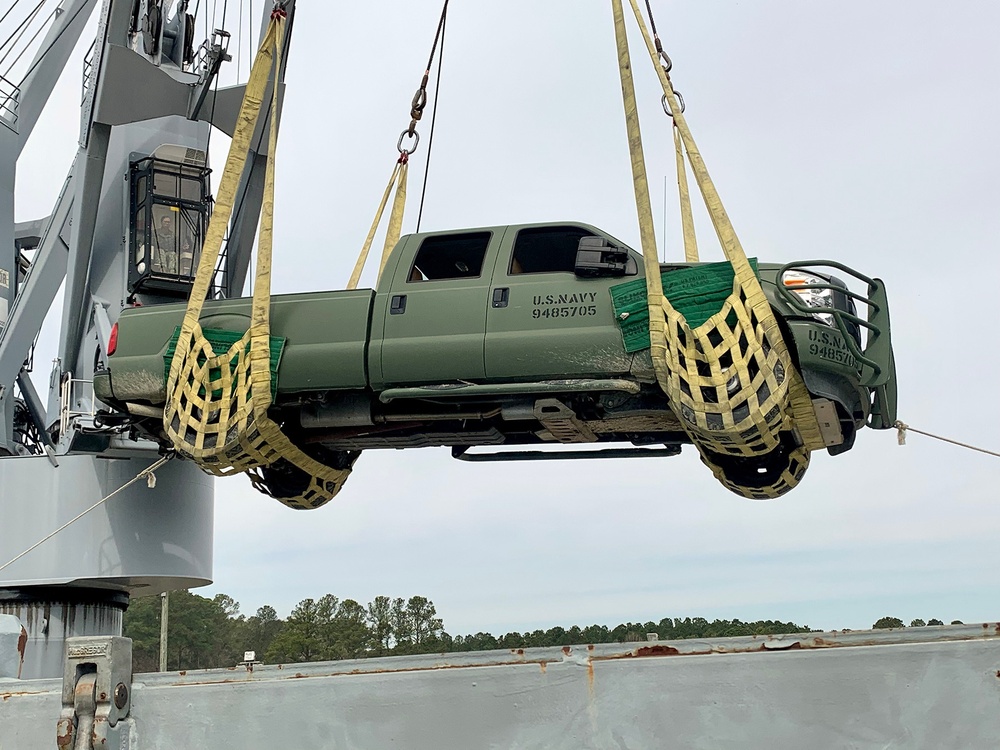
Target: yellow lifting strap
<point>687,218</point>
<point>395,230</point>
<point>217,403</point>
<point>731,381</point>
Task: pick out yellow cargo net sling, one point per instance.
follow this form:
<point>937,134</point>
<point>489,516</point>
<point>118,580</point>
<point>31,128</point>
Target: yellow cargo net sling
<point>731,380</point>
<point>217,402</point>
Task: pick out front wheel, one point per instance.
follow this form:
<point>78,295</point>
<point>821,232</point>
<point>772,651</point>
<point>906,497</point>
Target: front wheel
<point>761,477</point>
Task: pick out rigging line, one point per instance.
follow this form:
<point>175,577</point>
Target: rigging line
<point>38,60</point>
<point>652,23</point>
<point>239,47</point>
<point>903,428</point>
<point>145,473</point>
<point>19,31</point>
<point>434,111</point>
<point>218,75</point>
<point>9,11</point>
<point>31,41</point>
<point>439,34</point>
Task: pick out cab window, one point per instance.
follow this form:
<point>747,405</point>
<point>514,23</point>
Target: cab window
<point>546,249</point>
<point>450,256</point>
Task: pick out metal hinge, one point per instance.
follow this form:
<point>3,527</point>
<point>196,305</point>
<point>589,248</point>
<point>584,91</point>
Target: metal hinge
<point>96,694</point>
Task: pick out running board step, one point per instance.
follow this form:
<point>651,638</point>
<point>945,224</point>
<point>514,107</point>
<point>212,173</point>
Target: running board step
<point>466,390</point>
<point>462,454</point>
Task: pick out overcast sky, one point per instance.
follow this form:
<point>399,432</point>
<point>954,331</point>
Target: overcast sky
<point>859,131</point>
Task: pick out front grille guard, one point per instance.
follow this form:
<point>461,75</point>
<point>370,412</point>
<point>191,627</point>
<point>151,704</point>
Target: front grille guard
<point>876,365</point>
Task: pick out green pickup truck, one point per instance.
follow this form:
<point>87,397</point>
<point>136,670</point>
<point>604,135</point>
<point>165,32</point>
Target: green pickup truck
<point>507,337</point>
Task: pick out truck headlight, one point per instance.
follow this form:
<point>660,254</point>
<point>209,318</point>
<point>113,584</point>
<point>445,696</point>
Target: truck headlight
<point>818,298</point>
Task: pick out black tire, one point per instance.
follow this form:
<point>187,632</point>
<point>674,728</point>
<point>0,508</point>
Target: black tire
<point>761,477</point>
<point>284,479</point>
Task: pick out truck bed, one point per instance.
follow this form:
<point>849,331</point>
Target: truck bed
<point>327,349</point>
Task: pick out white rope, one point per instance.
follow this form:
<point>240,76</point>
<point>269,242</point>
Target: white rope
<point>150,480</point>
<point>903,428</point>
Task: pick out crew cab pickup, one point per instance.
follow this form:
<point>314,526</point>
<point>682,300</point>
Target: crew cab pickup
<point>507,336</point>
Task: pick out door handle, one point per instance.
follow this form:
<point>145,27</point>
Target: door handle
<point>501,296</point>
<point>397,305</point>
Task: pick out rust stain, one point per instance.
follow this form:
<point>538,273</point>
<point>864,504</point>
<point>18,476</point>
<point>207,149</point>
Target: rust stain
<point>997,629</point>
<point>64,733</point>
<point>648,651</point>
<point>18,693</point>
<point>22,642</point>
<point>183,673</point>
<point>590,678</point>
<point>657,651</point>
<point>590,647</point>
<point>998,674</point>
<point>545,667</point>
<point>567,650</point>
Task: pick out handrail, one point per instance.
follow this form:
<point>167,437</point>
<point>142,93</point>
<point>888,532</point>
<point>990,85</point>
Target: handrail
<point>10,100</point>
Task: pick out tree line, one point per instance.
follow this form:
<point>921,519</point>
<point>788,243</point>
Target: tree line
<point>208,633</point>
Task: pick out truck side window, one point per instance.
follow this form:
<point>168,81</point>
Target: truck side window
<point>546,249</point>
<point>450,256</point>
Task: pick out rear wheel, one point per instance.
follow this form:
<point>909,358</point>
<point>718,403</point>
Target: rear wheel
<point>283,479</point>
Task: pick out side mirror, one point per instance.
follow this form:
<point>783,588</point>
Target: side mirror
<point>598,258</point>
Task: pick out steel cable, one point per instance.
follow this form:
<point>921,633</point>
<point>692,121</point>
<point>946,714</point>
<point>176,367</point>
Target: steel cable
<point>903,428</point>
<point>437,95</point>
<point>19,32</point>
<point>31,41</point>
<point>38,60</point>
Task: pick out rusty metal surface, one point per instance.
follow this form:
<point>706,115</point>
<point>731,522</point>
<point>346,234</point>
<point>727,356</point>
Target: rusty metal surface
<point>912,688</point>
<point>13,639</point>
<point>47,625</point>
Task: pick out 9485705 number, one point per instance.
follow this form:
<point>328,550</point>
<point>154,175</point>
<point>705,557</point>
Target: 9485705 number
<point>833,354</point>
<point>564,312</point>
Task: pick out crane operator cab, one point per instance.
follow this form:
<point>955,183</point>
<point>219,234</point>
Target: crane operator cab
<point>169,206</point>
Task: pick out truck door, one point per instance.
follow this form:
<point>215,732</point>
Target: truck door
<point>435,311</point>
<point>544,321</point>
